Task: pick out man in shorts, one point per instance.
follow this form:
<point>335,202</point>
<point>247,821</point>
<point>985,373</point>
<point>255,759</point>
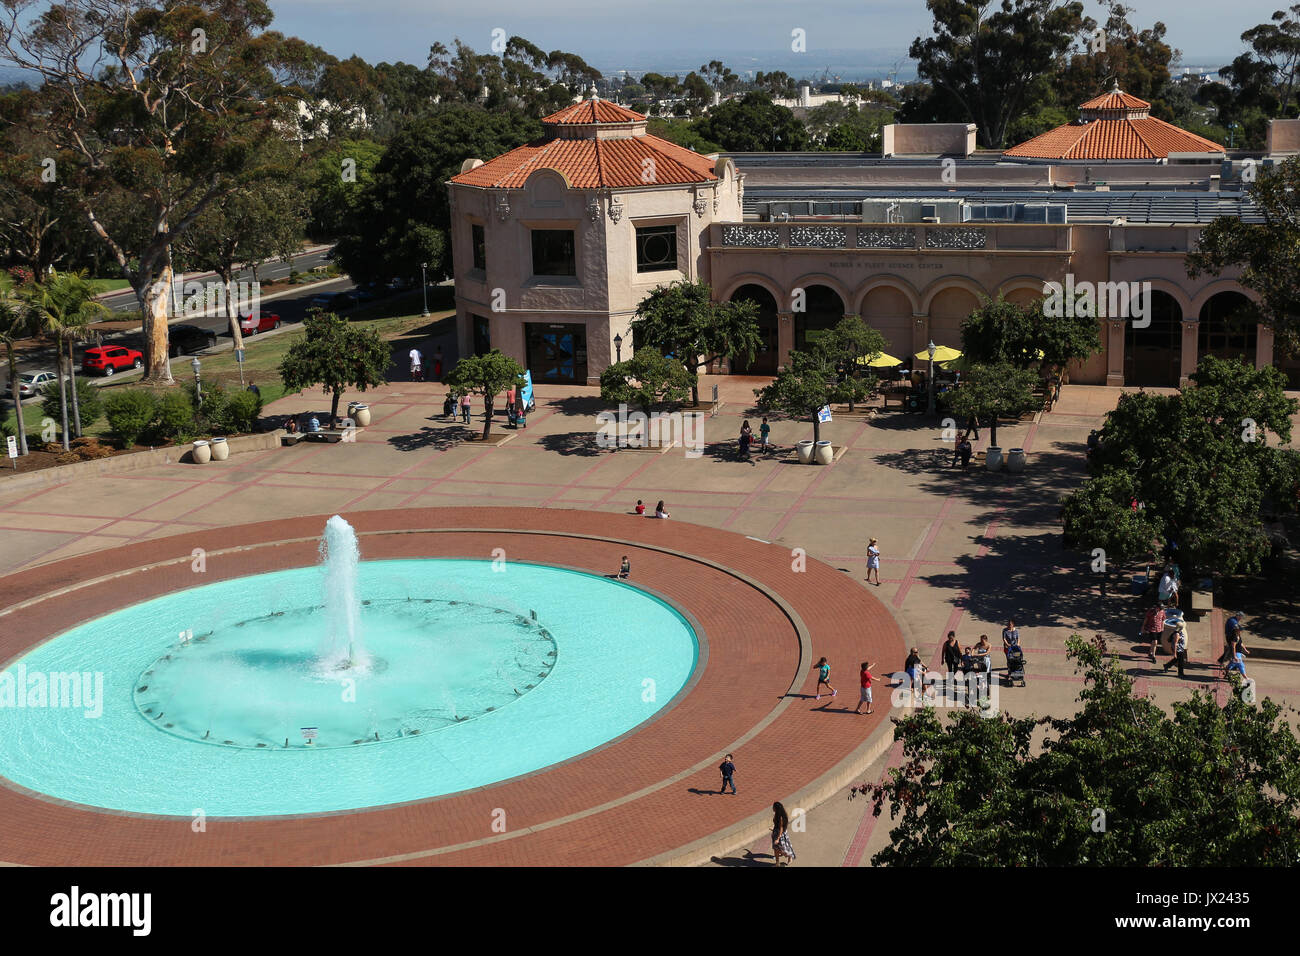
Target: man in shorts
<point>865,697</point>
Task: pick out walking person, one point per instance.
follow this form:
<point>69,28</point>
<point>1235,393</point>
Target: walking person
<point>973,426</point>
<point>1180,650</point>
<point>465,403</point>
<point>417,365</point>
<point>864,697</point>
<point>781,835</point>
<point>952,653</point>
<point>1231,636</point>
<point>824,677</point>
<point>728,771</point>
<point>746,437</point>
<point>915,671</point>
<point>961,454</point>
<point>1010,635</point>
<point>1152,627</point>
<point>764,430</point>
<point>873,561</point>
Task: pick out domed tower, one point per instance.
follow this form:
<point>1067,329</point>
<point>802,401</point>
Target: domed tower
<point>556,242</point>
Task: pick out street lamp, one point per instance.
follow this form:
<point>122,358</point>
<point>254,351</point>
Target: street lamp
<point>424,283</point>
<point>198,387</point>
<point>618,347</point>
<point>929,408</point>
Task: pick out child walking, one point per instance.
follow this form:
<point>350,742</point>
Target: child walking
<point>764,430</point>
<point>824,677</point>
<point>728,770</point>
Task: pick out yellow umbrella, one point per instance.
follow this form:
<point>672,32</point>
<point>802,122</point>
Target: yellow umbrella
<point>941,354</point>
<point>879,360</point>
<point>956,365</point>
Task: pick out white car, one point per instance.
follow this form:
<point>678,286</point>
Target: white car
<point>30,383</point>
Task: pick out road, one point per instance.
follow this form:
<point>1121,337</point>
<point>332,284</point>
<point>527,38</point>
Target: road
<point>290,306</point>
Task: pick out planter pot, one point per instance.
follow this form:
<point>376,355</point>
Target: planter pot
<point>1016,459</point>
<point>360,414</point>
<point>993,458</point>
<point>202,453</point>
<point>805,449</point>
<point>825,453</point>
<point>220,449</point>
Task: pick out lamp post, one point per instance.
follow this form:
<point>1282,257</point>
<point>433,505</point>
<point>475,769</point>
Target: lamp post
<point>929,408</point>
<point>618,348</point>
<point>198,387</point>
<point>424,286</point>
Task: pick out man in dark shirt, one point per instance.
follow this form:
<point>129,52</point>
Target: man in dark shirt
<point>728,770</point>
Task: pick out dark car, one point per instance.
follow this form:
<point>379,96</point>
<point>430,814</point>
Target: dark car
<point>186,339</point>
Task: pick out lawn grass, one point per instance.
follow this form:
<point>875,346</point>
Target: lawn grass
<point>263,355</point>
<point>109,285</point>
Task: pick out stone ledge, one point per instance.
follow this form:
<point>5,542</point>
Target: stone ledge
<point>135,461</point>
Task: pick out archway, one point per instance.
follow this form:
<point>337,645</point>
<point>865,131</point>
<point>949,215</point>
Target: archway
<point>1225,331</point>
<point>823,309</point>
<point>1153,355</point>
<point>768,356</point>
<point>949,308</point>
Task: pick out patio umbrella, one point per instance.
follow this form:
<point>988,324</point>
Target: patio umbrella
<point>942,354</point>
<point>879,360</point>
<point>961,364</point>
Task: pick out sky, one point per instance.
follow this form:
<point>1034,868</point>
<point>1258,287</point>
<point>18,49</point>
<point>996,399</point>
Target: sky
<point>641,34</point>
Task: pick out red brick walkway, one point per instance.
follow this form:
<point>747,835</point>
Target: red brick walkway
<point>640,796</point>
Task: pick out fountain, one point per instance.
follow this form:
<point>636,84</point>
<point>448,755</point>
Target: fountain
<point>340,554</point>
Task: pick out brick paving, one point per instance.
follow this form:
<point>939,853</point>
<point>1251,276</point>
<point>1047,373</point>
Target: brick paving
<point>961,551</point>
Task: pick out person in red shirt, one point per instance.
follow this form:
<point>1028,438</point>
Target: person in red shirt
<point>1152,628</point>
<point>640,507</point>
<point>865,697</point>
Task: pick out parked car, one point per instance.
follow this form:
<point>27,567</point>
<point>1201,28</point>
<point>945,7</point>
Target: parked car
<point>108,359</point>
<point>30,383</point>
<point>262,322</point>
<point>185,339</point>
<point>343,300</point>
<point>321,300</point>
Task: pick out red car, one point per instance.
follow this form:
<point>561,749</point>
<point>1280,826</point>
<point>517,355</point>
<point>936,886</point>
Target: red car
<point>262,322</point>
<point>110,358</point>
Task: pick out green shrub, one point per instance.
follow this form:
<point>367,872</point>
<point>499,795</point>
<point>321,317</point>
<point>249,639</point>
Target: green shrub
<point>174,418</point>
<point>213,410</point>
<point>130,413</point>
<point>243,411</point>
<point>89,403</point>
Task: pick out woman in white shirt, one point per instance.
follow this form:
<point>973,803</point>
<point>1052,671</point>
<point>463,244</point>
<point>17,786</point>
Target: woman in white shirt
<point>873,562</point>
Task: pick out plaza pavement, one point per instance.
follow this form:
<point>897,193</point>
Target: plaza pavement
<point>961,551</point>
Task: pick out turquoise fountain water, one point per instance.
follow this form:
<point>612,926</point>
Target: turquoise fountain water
<point>347,685</point>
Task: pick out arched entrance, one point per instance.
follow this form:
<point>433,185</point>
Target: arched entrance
<point>767,357</point>
<point>823,310</point>
<point>1225,331</point>
<point>1153,355</point>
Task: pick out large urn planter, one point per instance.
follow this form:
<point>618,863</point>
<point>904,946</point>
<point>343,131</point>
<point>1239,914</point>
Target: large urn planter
<point>359,413</point>
<point>202,453</point>
<point>825,453</point>
<point>220,449</point>
<point>993,458</point>
<point>805,450</point>
<point>1016,459</point>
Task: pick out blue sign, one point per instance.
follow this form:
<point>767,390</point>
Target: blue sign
<point>239,356</point>
<point>526,393</point>
<point>824,414</point>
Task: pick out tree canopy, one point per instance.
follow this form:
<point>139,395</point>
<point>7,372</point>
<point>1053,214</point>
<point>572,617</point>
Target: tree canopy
<point>488,375</point>
<point>1200,465</point>
<point>993,391</point>
<point>1002,331</point>
<point>1119,783</point>
<point>645,380</point>
<point>753,124</point>
<point>809,381</point>
<point>336,356</point>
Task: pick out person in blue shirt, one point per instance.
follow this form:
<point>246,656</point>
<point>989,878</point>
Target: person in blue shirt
<point>728,770</point>
<point>1231,638</point>
<point>824,677</point>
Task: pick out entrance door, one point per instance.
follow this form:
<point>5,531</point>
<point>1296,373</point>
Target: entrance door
<point>1153,355</point>
<point>557,353</point>
<point>765,359</point>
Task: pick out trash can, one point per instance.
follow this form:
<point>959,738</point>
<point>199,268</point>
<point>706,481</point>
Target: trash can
<point>1016,459</point>
<point>202,453</point>
<point>359,413</point>
<point>993,458</point>
<point>825,453</point>
<point>805,449</point>
<point>220,449</point>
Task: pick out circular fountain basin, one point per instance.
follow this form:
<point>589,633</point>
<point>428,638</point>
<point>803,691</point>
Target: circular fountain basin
<point>219,698</point>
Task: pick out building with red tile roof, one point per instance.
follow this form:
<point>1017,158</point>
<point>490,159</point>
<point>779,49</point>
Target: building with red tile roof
<point>1115,125</point>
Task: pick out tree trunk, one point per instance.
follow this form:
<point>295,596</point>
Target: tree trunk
<point>18,401</point>
<point>334,408</point>
<point>72,386</point>
<point>232,316</point>
<point>487,414</point>
<point>993,431</point>
<point>63,397</point>
<point>153,310</point>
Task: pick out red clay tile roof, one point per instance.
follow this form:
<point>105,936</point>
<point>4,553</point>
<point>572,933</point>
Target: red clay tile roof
<point>593,163</point>
<point>1126,138</point>
<point>594,111</point>
<point>1116,100</point>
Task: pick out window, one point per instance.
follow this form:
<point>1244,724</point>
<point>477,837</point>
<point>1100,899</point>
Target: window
<point>482,335</point>
<point>553,252</point>
<point>656,248</point>
<point>480,247</point>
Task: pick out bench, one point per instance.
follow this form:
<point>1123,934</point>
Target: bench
<point>1202,601</point>
<point>899,397</point>
<point>325,434</point>
<point>291,439</point>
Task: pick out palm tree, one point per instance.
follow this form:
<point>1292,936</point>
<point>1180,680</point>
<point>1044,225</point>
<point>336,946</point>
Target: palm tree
<point>64,306</point>
<point>15,323</point>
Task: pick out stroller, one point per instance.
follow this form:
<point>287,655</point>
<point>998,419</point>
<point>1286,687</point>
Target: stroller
<point>1015,665</point>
